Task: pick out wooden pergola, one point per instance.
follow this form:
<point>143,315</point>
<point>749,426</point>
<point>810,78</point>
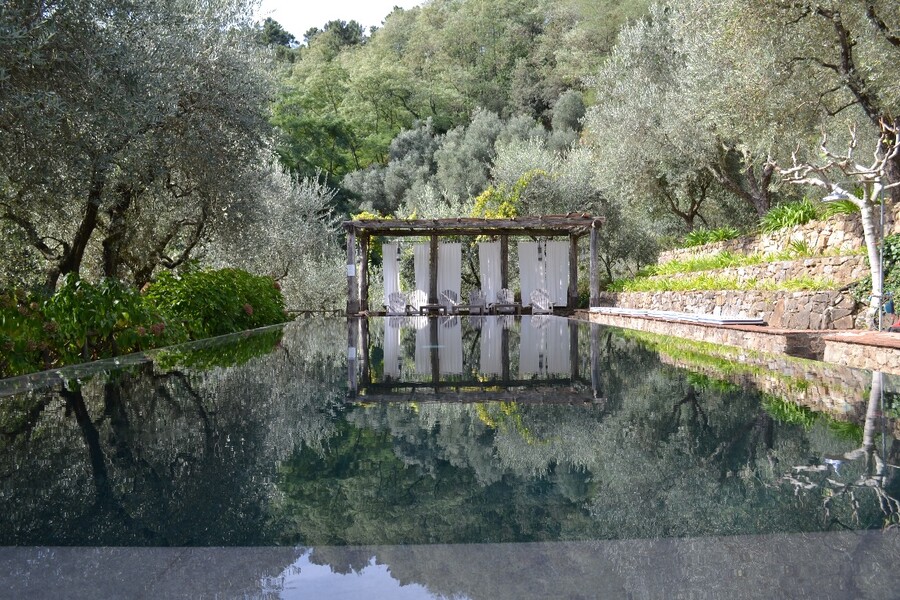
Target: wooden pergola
<point>572,225</point>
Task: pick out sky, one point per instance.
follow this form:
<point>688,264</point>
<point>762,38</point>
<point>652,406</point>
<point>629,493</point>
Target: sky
<point>297,16</point>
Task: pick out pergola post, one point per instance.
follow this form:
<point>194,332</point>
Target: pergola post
<point>352,285</point>
<point>504,263</point>
<point>364,273</point>
<point>595,273</point>
<point>573,272</point>
<point>433,271</point>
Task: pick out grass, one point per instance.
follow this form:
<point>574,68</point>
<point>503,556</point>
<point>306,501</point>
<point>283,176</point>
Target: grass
<point>726,259</point>
<point>706,282</point>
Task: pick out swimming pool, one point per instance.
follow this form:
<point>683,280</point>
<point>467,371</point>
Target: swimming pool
<point>416,457</point>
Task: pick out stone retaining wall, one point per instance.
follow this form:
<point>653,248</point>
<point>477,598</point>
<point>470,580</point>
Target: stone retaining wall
<point>860,355</point>
<point>786,310</point>
<point>760,339</point>
<point>839,269</point>
<point>838,233</point>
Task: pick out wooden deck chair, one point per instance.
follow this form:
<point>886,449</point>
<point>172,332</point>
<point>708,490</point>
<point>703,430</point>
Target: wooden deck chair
<point>477,302</point>
<point>450,301</point>
<point>541,304</point>
<point>417,298</point>
<point>397,304</point>
<point>506,303</point>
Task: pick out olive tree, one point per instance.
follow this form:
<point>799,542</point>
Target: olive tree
<point>287,230</point>
<point>126,128</point>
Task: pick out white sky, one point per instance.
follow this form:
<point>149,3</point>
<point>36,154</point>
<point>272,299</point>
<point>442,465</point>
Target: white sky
<point>297,16</point>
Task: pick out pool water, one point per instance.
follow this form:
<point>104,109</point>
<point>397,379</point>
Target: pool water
<point>457,457</point>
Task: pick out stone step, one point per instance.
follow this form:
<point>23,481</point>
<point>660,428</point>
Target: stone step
<point>842,270</point>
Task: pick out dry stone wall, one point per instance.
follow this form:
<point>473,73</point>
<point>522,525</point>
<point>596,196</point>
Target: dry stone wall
<point>840,233</point>
<point>839,269</point>
<point>785,310</point>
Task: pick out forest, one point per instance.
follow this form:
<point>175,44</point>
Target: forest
<point>139,138</point>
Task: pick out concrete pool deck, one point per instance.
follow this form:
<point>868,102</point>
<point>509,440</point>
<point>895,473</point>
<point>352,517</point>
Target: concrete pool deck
<point>872,350</point>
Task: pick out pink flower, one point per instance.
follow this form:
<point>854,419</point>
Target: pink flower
<point>157,328</point>
<point>141,331</point>
<point>248,309</point>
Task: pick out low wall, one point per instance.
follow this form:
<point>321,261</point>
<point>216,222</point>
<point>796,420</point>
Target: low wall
<point>785,310</point>
<point>874,351</point>
<point>758,338</point>
<point>839,269</point>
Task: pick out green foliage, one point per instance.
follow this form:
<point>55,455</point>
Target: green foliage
<point>711,282</point>
<point>862,289</point>
<point>839,207</point>
<point>789,215</point>
<point>502,202</point>
<point>229,352</point>
<point>105,319</point>
<point>701,236</point>
<point>210,303</point>
<point>81,321</point>
<point>788,412</point>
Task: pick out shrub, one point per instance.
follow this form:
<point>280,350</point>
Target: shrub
<point>839,207</point>
<point>211,303</point>
<point>789,215</point>
<point>94,321</point>
<point>701,236</point>
<point>80,321</point>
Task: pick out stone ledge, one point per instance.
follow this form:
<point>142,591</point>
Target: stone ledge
<point>873,350</point>
<point>803,344</point>
<point>815,311</point>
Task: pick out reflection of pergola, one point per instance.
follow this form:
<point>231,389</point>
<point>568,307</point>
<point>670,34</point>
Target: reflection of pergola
<point>572,225</point>
<point>502,387</point>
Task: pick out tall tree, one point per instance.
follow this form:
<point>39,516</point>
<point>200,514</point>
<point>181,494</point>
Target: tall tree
<point>127,125</point>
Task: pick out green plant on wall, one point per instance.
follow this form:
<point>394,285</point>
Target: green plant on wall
<point>863,288</point>
<point>701,236</point>
<point>790,214</point>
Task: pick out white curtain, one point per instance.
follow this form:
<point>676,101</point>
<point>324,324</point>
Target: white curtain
<point>421,258</point>
<point>544,346</point>
<point>450,267</point>
<point>392,347</point>
<point>491,346</point>
<point>450,346</point>
<point>530,350</point>
<point>557,346</point>
<point>530,273</point>
<point>391,269</point>
<point>556,271</point>
<point>489,269</point>
<point>423,347</point>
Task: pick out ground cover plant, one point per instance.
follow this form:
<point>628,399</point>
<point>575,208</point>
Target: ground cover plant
<point>713,282</point>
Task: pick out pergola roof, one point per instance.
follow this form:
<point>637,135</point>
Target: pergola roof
<point>572,224</point>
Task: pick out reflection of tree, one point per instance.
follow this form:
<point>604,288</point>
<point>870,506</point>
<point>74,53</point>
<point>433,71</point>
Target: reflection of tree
<point>668,454</point>
<point>170,457</point>
<point>843,499</point>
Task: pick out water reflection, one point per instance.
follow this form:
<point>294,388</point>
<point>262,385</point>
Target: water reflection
<point>424,436</point>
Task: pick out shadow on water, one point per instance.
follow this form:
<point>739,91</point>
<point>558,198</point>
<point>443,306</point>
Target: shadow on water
<point>470,458</point>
